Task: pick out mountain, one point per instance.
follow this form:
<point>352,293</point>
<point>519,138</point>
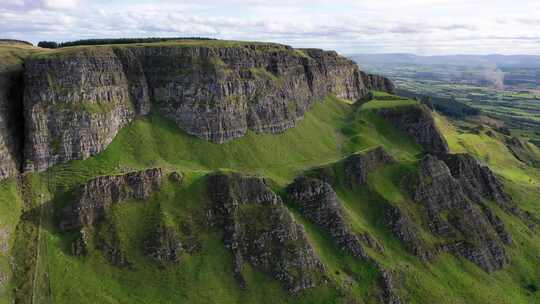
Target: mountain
<point>209,171</point>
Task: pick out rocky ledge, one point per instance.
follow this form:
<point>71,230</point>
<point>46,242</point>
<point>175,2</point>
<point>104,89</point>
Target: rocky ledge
<point>416,121</point>
<point>471,229</point>
<point>358,166</point>
<point>259,230</point>
<point>76,101</point>
<point>319,203</point>
<point>95,198</point>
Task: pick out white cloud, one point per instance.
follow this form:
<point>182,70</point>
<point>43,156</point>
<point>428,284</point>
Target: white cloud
<point>422,26</point>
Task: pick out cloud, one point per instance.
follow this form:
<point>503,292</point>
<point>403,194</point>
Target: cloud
<point>422,26</point>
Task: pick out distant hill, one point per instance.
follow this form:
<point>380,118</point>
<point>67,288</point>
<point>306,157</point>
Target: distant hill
<point>526,61</point>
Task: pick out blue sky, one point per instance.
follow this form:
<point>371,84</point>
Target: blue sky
<point>423,27</point>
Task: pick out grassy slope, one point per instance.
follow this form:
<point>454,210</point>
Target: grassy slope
<point>10,212</point>
<point>11,59</point>
<point>330,131</point>
<point>99,49</point>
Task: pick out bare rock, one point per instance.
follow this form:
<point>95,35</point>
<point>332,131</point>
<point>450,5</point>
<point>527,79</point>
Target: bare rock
<point>358,166</point>
<point>418,122</point>
<point>407,231</point>
<point>93,199</point>
<point>319,203</point>
<point>453,215</point>
<point>477,180</point>
<point>260,231</point>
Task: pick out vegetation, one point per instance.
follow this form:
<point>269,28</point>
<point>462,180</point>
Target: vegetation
<point>332,130</point>
<point>54,45</point>
<point>461,87</point>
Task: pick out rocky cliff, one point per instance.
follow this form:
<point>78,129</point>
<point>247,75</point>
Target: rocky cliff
<point>358,166</point>
<point>417,122</point>
<point>470,228</point>
<point>260,231</point>
<point>77,100</point>
<point>319,203</point>
<point>95,198</point>
<point>11,127</point>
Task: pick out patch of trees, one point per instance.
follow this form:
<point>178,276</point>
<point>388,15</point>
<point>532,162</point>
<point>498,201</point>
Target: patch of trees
<point>47,44</point>
<point>447,106</point>
<point>54,45</point>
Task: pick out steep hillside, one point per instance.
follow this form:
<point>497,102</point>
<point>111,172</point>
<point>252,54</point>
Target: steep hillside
<point>369,198</point>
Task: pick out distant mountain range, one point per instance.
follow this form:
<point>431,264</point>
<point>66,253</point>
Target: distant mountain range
<point>525,61</point>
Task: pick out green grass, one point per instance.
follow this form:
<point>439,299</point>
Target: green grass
<point>104,49</point>
<point>332,130</point>
<point>10,212</point>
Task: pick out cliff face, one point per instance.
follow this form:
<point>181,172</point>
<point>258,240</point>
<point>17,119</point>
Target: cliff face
<point>471,228</point>
<point>11,129</point>
<point>93,199</point>
<point>418,122</point>
<point>74,106</point>
<point>319,203</point>
<point>76,102</point>
<point>260,230</point>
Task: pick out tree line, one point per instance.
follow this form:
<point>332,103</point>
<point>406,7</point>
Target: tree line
<point>55,45</point>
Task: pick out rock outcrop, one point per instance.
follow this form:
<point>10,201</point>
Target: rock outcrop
<point>477,180</point>
<point>417,121</point>
<point>95,198</point>
<point>378,83</point>
<point>163,244</point>
<point>407,231</point>
<point>76,101</point>
<point>319,203</point>
<point>358,166</point>
<point>453,215</point>
<point>260,231</point>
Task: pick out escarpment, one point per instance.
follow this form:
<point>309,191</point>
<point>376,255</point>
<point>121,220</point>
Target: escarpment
<point>77,100</point>
<point>477,180</point>
<point>470,232</point>
<point>259,230</point>
<point>417,122</point>
<point>95,198</point>
<point>358,166</point>
<point>75,105</point>
<point>319,203</point>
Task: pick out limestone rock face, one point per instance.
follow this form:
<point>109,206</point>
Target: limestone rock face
<point>477,180</point>
<point>93,199</point>
<point>471,231</point>
<point>406,230</point>
<point>358,166</point>
<point>76,102</point>
<point>418,122</point>
<point>11,127</point>
<point>260,231</point>
<point>75,105</point>
<point>378,83</point>
<point>319,203</point>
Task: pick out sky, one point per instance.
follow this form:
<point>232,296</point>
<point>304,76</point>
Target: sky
<point>423,27</point>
